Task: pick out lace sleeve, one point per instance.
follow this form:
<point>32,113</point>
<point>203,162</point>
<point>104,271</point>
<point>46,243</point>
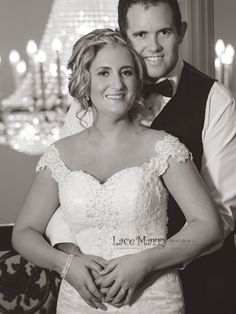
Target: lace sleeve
<point>170,146</point>
<point>51,159</point>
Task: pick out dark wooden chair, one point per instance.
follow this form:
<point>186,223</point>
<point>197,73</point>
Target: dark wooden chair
<point>24,287</point>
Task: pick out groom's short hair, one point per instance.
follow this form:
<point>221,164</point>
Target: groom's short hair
<point>124,5</point>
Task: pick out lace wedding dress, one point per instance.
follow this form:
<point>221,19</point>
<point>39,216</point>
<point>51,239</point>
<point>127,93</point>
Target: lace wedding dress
<point>131,204</point>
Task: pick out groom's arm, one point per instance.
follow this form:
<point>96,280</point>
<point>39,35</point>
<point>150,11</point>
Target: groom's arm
<point>60,236</point>
<point>69,248</point>
<point>59,233</point>
<point>219,153</point>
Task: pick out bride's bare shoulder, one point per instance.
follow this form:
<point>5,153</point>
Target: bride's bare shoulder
<point>71,145</point>
<point>154,136</point>
<point>151,138</point>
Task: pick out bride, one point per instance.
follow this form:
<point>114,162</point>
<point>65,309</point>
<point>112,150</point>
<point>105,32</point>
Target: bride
<point>110,181</point>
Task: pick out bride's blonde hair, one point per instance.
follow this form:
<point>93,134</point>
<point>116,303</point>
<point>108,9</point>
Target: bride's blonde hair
<point>83,53</point>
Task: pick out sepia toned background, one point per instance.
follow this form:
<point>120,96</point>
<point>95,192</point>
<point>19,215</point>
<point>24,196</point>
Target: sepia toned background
<point>21,20</point>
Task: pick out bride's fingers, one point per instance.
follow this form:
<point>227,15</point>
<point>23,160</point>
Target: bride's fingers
<point>117,305</point>
<point>129,296</point>
<point>99,281</point>
<point>126,301</point>
<point>87,297</point>
<point>120,296</point>
<point>94,266</point>
<point>101,306</point>
<point>104,290</point>
<point>105,282</point>
<point>90,303</point>
<point>98,303</point>
<point>100,260</point>
<point>90,299</point>
<point>102,281</point>
<point>113,293</point>
<point>95,274</point>
<point>109,268</point>
<point>93,288</point>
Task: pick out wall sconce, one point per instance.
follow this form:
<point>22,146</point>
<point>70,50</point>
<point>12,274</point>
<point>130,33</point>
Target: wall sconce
<point>224,62</point>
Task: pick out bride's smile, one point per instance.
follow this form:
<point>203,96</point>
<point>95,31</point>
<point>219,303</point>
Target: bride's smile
<point>113,81</point>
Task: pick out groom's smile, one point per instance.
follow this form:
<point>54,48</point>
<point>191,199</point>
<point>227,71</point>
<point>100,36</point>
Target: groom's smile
<point>154,35</point>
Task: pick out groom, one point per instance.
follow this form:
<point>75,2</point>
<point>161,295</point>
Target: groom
<point>202,114</point>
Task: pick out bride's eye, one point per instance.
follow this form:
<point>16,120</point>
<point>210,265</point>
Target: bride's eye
<point>103,73</point>
<point>127,73</point>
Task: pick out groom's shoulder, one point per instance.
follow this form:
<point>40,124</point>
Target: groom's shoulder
<point>192,72</point>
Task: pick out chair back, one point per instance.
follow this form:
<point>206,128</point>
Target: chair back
<point>24,287</point>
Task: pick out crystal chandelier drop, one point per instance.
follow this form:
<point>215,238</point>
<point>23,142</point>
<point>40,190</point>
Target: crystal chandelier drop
<point>32,116</point>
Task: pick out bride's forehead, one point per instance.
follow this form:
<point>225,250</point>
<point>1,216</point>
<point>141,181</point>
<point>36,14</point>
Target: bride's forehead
<point>112,54</point>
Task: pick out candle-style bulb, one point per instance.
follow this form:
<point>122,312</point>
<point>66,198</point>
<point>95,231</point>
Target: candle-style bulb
<point>21,67</point>
<point>31,48</point>
<point>219,47</point>
<point>229,50</point>
<point>41,56</point>
<point>53,69</point>
<point>228,56</point>
<point>57,45</point>
<point>14,56</point>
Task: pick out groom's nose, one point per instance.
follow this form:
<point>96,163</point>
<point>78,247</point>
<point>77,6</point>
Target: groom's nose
<point>154,44</point>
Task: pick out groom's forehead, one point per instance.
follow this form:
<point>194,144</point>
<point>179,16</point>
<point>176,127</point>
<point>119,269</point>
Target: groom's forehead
<point>161,9</point>
<point>142,17</point>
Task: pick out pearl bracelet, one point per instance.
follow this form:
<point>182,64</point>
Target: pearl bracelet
<point>67,266</point>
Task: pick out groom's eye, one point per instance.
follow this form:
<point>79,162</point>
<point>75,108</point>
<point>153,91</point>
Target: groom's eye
<point>140,34</point>
<point>164,33</point>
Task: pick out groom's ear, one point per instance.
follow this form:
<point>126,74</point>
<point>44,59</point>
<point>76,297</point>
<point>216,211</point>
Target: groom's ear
<point>182,30</point>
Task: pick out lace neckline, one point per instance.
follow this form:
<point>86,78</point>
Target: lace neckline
<point>115,174</point>
<point>108,180</point>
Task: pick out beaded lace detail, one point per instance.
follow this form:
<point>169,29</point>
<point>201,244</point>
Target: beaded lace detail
<point>170,146</point>
<point>131,204</point>
<point>51,159</point>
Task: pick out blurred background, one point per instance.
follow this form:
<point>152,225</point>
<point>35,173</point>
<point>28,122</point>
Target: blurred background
<point>35,41</point>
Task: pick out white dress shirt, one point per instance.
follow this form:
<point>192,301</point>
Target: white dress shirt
<point>219,151</point>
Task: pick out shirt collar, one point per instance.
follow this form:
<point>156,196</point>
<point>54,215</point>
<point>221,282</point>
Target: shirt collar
<point>174,75</point>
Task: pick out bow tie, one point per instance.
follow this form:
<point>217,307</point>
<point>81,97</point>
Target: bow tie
<point>163,88</point>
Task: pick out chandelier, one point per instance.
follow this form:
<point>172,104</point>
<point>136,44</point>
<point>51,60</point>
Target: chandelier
<point>31,118</point>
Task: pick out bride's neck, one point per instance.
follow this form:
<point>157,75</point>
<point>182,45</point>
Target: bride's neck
<point>110,130</point>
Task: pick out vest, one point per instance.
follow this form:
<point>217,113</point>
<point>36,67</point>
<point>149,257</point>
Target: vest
<point>183,117</point>
<point>208,282</point>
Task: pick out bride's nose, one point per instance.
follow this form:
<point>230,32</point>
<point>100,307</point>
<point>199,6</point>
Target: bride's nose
<point>117,82</point>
